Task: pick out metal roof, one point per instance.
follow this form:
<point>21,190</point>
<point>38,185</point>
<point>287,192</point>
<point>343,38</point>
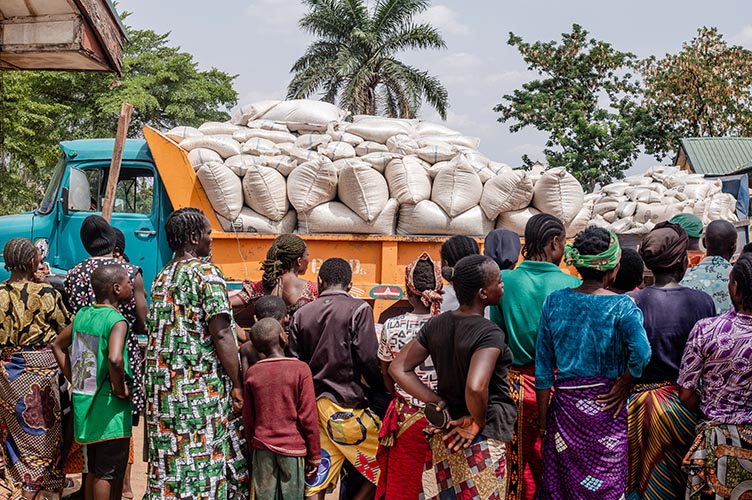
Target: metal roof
<point>101,149</point>
<point>718,155</point>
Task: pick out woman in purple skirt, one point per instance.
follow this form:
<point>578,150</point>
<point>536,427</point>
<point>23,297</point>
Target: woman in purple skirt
<point>591,345</point>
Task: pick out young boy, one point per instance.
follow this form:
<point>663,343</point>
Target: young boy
<point>279,415</point>
<point>268,306</point>
<point>335,335</point>
<point>98,370</point>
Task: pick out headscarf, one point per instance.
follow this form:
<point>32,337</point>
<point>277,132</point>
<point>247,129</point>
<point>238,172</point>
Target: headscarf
<point>503,246</point>
<point>604,261</point>
<point>430,298</point>
<point>691,224</point>
<point>665,246</point>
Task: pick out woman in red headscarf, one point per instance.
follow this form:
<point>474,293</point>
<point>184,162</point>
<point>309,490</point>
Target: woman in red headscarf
<point>403,448</point>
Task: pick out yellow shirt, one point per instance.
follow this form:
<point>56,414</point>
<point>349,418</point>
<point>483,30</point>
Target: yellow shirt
<point>31,314</point>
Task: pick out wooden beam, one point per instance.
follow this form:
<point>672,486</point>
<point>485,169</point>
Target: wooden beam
<point>117,158</point>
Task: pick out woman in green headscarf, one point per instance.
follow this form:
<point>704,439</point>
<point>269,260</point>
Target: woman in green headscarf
<point>588,337</point>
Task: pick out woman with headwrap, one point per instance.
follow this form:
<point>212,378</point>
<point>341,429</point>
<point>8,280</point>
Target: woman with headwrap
<point>693,226</point>
<point>591,336</point>
<point>661,429</point>
<point>403,448</point>
<point>285,261</point>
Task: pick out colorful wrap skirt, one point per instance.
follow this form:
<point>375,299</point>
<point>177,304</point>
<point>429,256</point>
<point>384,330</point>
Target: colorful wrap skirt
<point>660,432</point>
<point>525,463</point>
<point>474,473</point>
<point>403,452</point>
<point>30,419</point>
<point>719,462</point>
<point>585,449</point>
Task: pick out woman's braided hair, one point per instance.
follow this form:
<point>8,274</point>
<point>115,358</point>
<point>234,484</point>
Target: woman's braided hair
<point>470,275</point>
<point>181,224</point>
<point>592,241</point>
<point>18,254</point>
<point>539,230</point>
<point>454,249</point>
<point>281,257</point>
<point>741,273</point>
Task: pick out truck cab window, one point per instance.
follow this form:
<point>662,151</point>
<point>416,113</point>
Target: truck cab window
<point>135,192</point>
<point>85,186</point>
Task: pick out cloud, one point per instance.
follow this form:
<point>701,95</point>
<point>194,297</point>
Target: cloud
<point>460,60</point>
<point>444,19</point>
<point>275,14</point>
<point>744,37</point>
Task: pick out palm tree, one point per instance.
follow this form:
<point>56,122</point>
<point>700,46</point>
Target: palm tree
<point>354,57</point>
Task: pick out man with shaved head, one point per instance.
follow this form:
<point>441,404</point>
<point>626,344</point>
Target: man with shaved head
<point>711,275</point>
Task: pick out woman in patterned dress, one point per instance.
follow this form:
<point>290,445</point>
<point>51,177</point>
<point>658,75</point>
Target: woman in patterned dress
<point>718,361</point>
<point>193,385</point>
<point>31,316</point>
<point>285,261</point>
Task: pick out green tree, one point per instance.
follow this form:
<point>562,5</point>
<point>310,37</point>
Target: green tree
<point>703,91</point>
<point>354,59</point>
<point>586,100</point>
<point>41,108</point>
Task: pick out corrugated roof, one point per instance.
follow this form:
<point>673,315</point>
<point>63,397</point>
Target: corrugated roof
<point>718,155</point>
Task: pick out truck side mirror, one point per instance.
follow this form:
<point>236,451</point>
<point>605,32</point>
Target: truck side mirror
<point>64,200</point>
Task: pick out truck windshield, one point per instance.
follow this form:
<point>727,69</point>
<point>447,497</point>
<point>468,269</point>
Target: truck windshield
<point>51,195</point>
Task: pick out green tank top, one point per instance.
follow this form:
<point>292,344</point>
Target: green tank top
<point>98,415</point>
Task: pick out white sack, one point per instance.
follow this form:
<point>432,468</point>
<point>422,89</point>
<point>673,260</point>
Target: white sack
<point>367,147</point>
<point>218,128</point>
<point>301,155</point>
<point>253,111</point>
<point>582,219</point>
<point>225,145</point>
<point>626,209</point>
<point>281,163</point>
<point>720,207</point>
<point>558,193</point>
<point>656,212</point>
<point>476,161</point>
<point>177,134</point>
<point>275,136</point>
<point>380,129</point>
<point>428,218</point>
<point>311,184</point>
<point>516,220</point>
<point>249,221</point>
<point>268,125</point>
<point>424,129</point>
<point>437,154</point>
<point>408,181</point>
<point>505,192</point>
<point>240,163</point>
<point>402,144</point>
<point>312,141</point>
<point>456,188</point>
<point>259,147</point>
<point>337,150</point>
<point>199,156</point>
<point>363,190</point>
<point>343,136</point>
<point>298,113</point>
<point>643,195</point>
<point>350,162</point>
<point>335,217</point>
<point>265,192</point>
<point>223,188</point>
<point>379,161</point>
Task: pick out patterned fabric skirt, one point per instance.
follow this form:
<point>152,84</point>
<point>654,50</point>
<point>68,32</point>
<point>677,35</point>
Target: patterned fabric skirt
<point>585,449</point>
<point>719,462</point>
<point>30,419</point>
<point>403,452</point>
<point>660,432</point>
<point>475,473</point>
<point>525,463</point>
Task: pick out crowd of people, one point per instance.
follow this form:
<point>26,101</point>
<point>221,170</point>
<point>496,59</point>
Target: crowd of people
<point>509,377</point>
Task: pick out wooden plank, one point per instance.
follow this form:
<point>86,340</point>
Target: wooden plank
<point>117,158</point>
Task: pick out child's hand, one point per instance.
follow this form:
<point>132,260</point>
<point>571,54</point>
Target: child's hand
<point>310,469</point>
<point>462,434</point>
<point>126,394</point>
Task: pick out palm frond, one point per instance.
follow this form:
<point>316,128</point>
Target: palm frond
<point>411,36</point>
<point>390,14</point>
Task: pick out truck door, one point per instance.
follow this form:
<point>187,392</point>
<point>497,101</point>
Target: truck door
<point>135,213</point>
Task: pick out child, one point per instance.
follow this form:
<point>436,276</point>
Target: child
<point>279,415</point>
<point>98,369</point>
<point>268,306</point>
<point>335,335</point>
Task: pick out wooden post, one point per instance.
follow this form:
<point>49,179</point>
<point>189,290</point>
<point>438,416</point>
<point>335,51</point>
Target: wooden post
<point>117,158</point>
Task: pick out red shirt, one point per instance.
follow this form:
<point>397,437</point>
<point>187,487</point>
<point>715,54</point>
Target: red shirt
<point>279,410</point>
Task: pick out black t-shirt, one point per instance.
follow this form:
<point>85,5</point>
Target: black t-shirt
<point>451,340</point>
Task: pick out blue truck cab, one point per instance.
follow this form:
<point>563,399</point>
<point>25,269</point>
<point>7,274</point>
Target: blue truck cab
<point>76,190</point>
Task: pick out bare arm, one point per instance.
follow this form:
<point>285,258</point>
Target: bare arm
<point>139,294</point>
<point>688,397</point>
<point>115,360</point>
<point>388,380</point>
<point>543,396</point>
<point>402,370</point>
<point>60,350</point>
<point>227,352</point>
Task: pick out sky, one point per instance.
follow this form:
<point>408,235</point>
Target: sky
<point>259,40</point>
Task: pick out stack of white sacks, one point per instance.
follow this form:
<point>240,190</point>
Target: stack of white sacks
<point>282,166</point>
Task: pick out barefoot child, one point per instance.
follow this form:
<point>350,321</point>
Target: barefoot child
<point>98,368</point>
<point>280,418</point>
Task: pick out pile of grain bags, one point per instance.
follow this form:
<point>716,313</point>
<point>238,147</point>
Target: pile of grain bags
<point>282,166</point>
